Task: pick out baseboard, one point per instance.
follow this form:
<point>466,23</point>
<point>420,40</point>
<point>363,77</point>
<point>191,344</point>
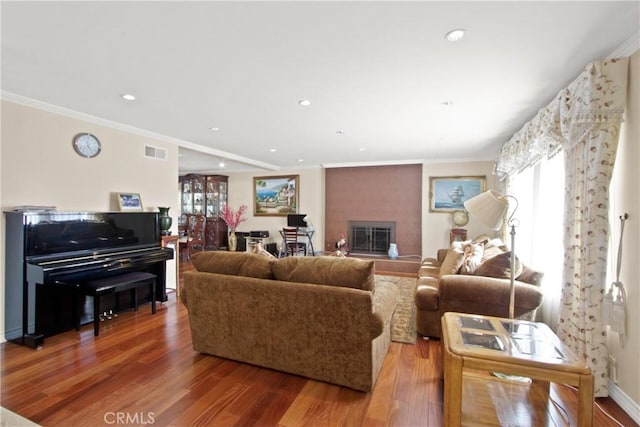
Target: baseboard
<point>624,401</point>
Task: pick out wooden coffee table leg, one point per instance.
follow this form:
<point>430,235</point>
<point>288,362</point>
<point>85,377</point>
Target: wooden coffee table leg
<point>585,401</point>
<point>452,389</point>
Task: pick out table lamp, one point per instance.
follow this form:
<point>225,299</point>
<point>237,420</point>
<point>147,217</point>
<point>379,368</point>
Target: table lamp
<point>489,208</point>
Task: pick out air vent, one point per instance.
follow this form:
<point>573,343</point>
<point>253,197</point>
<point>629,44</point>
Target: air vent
<point>155,152</point>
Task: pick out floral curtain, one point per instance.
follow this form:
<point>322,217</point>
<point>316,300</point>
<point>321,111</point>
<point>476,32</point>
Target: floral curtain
<point>584,122</point>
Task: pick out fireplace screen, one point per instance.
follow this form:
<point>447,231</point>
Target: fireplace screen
<point>371,237</point>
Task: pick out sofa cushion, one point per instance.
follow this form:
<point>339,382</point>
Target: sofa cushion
<point>324,270</point>
<point>233,263</point>
<point>499,267</point>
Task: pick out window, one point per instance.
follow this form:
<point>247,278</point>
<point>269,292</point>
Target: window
<point>539,237</point>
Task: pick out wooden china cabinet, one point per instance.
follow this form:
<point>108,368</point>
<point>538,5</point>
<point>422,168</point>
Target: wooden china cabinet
<point>204,195</point>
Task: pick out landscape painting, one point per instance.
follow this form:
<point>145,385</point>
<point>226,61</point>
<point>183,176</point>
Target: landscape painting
<point>448,194</point>
<point>275,195</point>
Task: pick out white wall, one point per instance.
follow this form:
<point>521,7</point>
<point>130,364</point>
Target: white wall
<point>311,202</point>
<point>436,225</point>
<point>39,167</point>
<point>2,238</point>
<point>626,198</point>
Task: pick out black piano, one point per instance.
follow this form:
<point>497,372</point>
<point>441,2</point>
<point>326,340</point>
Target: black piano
<point>48,253</point>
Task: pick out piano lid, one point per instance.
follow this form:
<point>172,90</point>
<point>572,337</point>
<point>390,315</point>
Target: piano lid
<point>49,233</point>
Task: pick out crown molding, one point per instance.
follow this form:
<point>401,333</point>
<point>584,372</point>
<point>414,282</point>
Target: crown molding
<point>381,163</point>
<point>56,109</point>
<point>628,47</point>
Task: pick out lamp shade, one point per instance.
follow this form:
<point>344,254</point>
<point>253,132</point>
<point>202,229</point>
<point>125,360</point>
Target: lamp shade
<point>488,208</point>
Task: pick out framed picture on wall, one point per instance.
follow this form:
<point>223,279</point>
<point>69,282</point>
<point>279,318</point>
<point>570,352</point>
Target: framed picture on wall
<point>275,195</point>
<point>129,202</point>
<point>448,194</point>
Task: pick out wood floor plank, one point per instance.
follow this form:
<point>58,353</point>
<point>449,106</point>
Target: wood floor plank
<point>143,366</point>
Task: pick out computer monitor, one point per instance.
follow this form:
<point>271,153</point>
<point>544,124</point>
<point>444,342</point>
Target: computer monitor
<point>296,220</point>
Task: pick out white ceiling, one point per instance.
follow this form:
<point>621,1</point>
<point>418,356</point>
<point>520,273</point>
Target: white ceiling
<point>380,72</point>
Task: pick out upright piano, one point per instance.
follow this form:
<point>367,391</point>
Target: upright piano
<point>48,253</point>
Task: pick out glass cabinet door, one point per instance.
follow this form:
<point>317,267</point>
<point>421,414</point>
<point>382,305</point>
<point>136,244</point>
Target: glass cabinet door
<point>212,198</point>
<point>205,195</point>
<point>223,194</point>
<point>187,199</point>
<point>198,196</point>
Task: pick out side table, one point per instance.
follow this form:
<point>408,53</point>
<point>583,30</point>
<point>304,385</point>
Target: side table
<point>512,347</point>
<point>173,242</point>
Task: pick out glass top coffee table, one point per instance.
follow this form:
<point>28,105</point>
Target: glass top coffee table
<point>511,347</point>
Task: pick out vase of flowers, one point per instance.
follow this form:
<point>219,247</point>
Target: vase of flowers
<point>233,219</point>
<point>233,241</point>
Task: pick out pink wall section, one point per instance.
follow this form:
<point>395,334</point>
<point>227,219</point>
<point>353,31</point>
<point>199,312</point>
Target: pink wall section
<point>375,193</point>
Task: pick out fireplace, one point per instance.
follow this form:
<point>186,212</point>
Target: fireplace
<point>371,237</point>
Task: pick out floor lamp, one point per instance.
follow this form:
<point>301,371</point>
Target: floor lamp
<point>490,208</point>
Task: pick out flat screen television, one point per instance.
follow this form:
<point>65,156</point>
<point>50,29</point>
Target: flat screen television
<point>296,220</point>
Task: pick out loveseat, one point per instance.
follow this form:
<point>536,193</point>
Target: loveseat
<point>324,318</point>
<point>483,289</point>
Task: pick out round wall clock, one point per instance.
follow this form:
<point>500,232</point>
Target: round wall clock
<point>86,145</point>
<point>460,218</point>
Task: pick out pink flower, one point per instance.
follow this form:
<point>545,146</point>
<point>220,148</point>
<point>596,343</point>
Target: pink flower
<point>231,218</point>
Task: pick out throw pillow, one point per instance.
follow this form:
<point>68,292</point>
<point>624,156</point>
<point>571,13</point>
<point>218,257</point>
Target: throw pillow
<point>232,263</point>
<point>452,262</point>
<point>483,238</point>
<point>492,248</point>
<point>499,267</point>
<point>472,256</point>
<point>325,270</point>
<point>259,250</point>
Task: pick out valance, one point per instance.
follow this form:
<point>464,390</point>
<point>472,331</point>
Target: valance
<point>596,97</point>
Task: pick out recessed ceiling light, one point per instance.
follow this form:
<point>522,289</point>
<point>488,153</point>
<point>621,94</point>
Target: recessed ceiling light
<point>221,164</point>
<point>273,150</point>
<point>454,35</point>
<point>300,160</point>
<point>128,97</point>
<point>304,102</point>
<point>362,149</point>
<point>214,129</point>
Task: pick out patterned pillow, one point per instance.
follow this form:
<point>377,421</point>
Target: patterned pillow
<point>258,249</point>
<point>472,257</point>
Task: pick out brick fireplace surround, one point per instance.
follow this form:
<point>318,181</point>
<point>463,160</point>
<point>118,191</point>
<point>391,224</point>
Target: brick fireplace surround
<point>375,193</point>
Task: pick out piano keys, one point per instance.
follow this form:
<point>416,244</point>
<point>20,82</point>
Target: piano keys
<point>47,253</point>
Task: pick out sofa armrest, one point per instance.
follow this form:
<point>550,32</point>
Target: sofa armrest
<point>458,291</point>
<point>427,293</point>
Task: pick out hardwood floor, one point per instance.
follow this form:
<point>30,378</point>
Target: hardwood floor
<point>141,370</point>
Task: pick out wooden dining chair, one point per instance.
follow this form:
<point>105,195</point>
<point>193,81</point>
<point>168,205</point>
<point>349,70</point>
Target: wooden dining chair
<point>292,243</point>
<point>194,241</point>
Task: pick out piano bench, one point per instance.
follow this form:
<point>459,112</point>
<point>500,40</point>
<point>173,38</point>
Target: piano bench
<point>115,284</point>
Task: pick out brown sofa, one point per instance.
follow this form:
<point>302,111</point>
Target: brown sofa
<point>438,293</point>
<point>320,317</point>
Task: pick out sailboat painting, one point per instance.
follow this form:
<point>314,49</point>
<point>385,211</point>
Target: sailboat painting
<point>448,194</point>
